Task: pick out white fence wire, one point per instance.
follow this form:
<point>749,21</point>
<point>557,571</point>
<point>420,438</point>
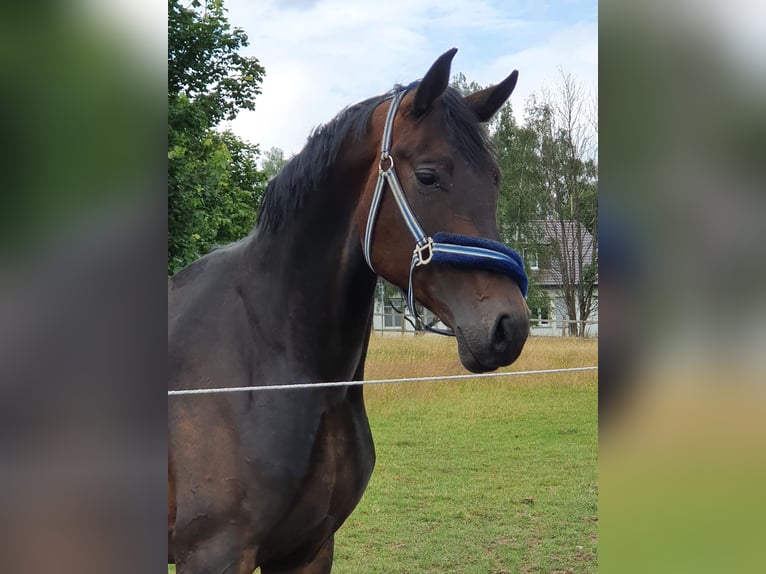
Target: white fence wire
<point>326,384</point>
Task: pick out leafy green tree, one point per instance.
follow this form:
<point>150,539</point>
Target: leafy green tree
<point>521,204</point>
<point>462,85</point>
<point>273,161</point>
<point>204,64</point>
<point>214,186</point>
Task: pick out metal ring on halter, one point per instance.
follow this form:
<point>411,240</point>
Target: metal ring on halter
<point>385,156</point>
<point>427,247</point>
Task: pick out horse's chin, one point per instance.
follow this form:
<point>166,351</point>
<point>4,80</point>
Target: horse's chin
<point>470,361</point>
<point>476,361</point>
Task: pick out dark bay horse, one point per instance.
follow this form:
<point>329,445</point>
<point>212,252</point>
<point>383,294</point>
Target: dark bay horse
<point>266,478</point>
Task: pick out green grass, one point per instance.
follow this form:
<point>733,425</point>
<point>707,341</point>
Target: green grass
<point>481,476</point>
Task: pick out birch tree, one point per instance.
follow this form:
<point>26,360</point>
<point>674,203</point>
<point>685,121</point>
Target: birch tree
<point>563,122</point>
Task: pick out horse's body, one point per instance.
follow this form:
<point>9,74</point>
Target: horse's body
<point>266,478</point>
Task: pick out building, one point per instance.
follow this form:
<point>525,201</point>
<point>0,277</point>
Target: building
<point>392,316</point>
<point>556,254</point>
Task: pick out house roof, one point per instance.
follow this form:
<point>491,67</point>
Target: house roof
<point>569,234</point>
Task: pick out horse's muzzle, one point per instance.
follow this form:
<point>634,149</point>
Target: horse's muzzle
<point>483,350</point>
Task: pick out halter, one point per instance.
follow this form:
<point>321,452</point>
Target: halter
<point>445,248</point>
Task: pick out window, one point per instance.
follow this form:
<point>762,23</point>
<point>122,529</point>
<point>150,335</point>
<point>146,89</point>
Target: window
<point>530,256</point>
<point>541,316</point>
<point>532,261</point>
<point>428,317</point>
<point>392,319</point>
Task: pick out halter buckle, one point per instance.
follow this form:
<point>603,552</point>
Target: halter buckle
<point>424,253</point>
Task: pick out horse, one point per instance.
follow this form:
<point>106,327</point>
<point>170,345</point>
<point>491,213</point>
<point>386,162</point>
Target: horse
<point>265,479</point>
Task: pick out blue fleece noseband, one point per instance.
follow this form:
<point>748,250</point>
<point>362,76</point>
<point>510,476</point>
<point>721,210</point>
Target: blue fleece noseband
<point>461,251</point>
<point>479,253</point>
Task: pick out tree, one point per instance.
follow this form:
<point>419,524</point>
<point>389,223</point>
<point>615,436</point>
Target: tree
<point>569,178</point>
<point>273,161</point>
<point>204,64</point>
<point>462,85</point>
<point>214,186</point>
<point>521,202</point>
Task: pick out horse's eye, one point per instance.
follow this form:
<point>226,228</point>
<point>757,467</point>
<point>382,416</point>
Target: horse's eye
<point>425,177</point>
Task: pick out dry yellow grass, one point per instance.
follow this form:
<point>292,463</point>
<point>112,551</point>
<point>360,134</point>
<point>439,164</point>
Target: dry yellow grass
<point>403,356</point>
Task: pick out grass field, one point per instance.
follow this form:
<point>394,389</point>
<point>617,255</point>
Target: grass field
<point>481,476</point>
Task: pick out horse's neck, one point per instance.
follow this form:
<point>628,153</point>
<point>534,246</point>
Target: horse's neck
<point>310,286</point>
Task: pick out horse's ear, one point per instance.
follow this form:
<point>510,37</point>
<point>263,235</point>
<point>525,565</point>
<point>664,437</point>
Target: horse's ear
<point>486,102</point>
<point>433,83</point>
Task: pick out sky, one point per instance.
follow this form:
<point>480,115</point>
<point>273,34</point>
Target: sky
<point>323,55</point>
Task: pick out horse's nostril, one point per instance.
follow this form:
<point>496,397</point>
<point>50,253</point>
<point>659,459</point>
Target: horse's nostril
<point>508,337</point>
<point>501,334</point>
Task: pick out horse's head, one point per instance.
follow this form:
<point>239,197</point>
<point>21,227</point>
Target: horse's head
<point>446,181</point>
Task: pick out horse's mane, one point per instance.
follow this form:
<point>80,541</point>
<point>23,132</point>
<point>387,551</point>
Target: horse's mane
<point>306,172</point>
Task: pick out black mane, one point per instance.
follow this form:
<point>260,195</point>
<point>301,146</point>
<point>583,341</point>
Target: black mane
<point>306,172</point>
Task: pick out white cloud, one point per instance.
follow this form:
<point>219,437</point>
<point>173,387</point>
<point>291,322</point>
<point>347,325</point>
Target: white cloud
<point>573,49</point>
<point>321,56</point>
